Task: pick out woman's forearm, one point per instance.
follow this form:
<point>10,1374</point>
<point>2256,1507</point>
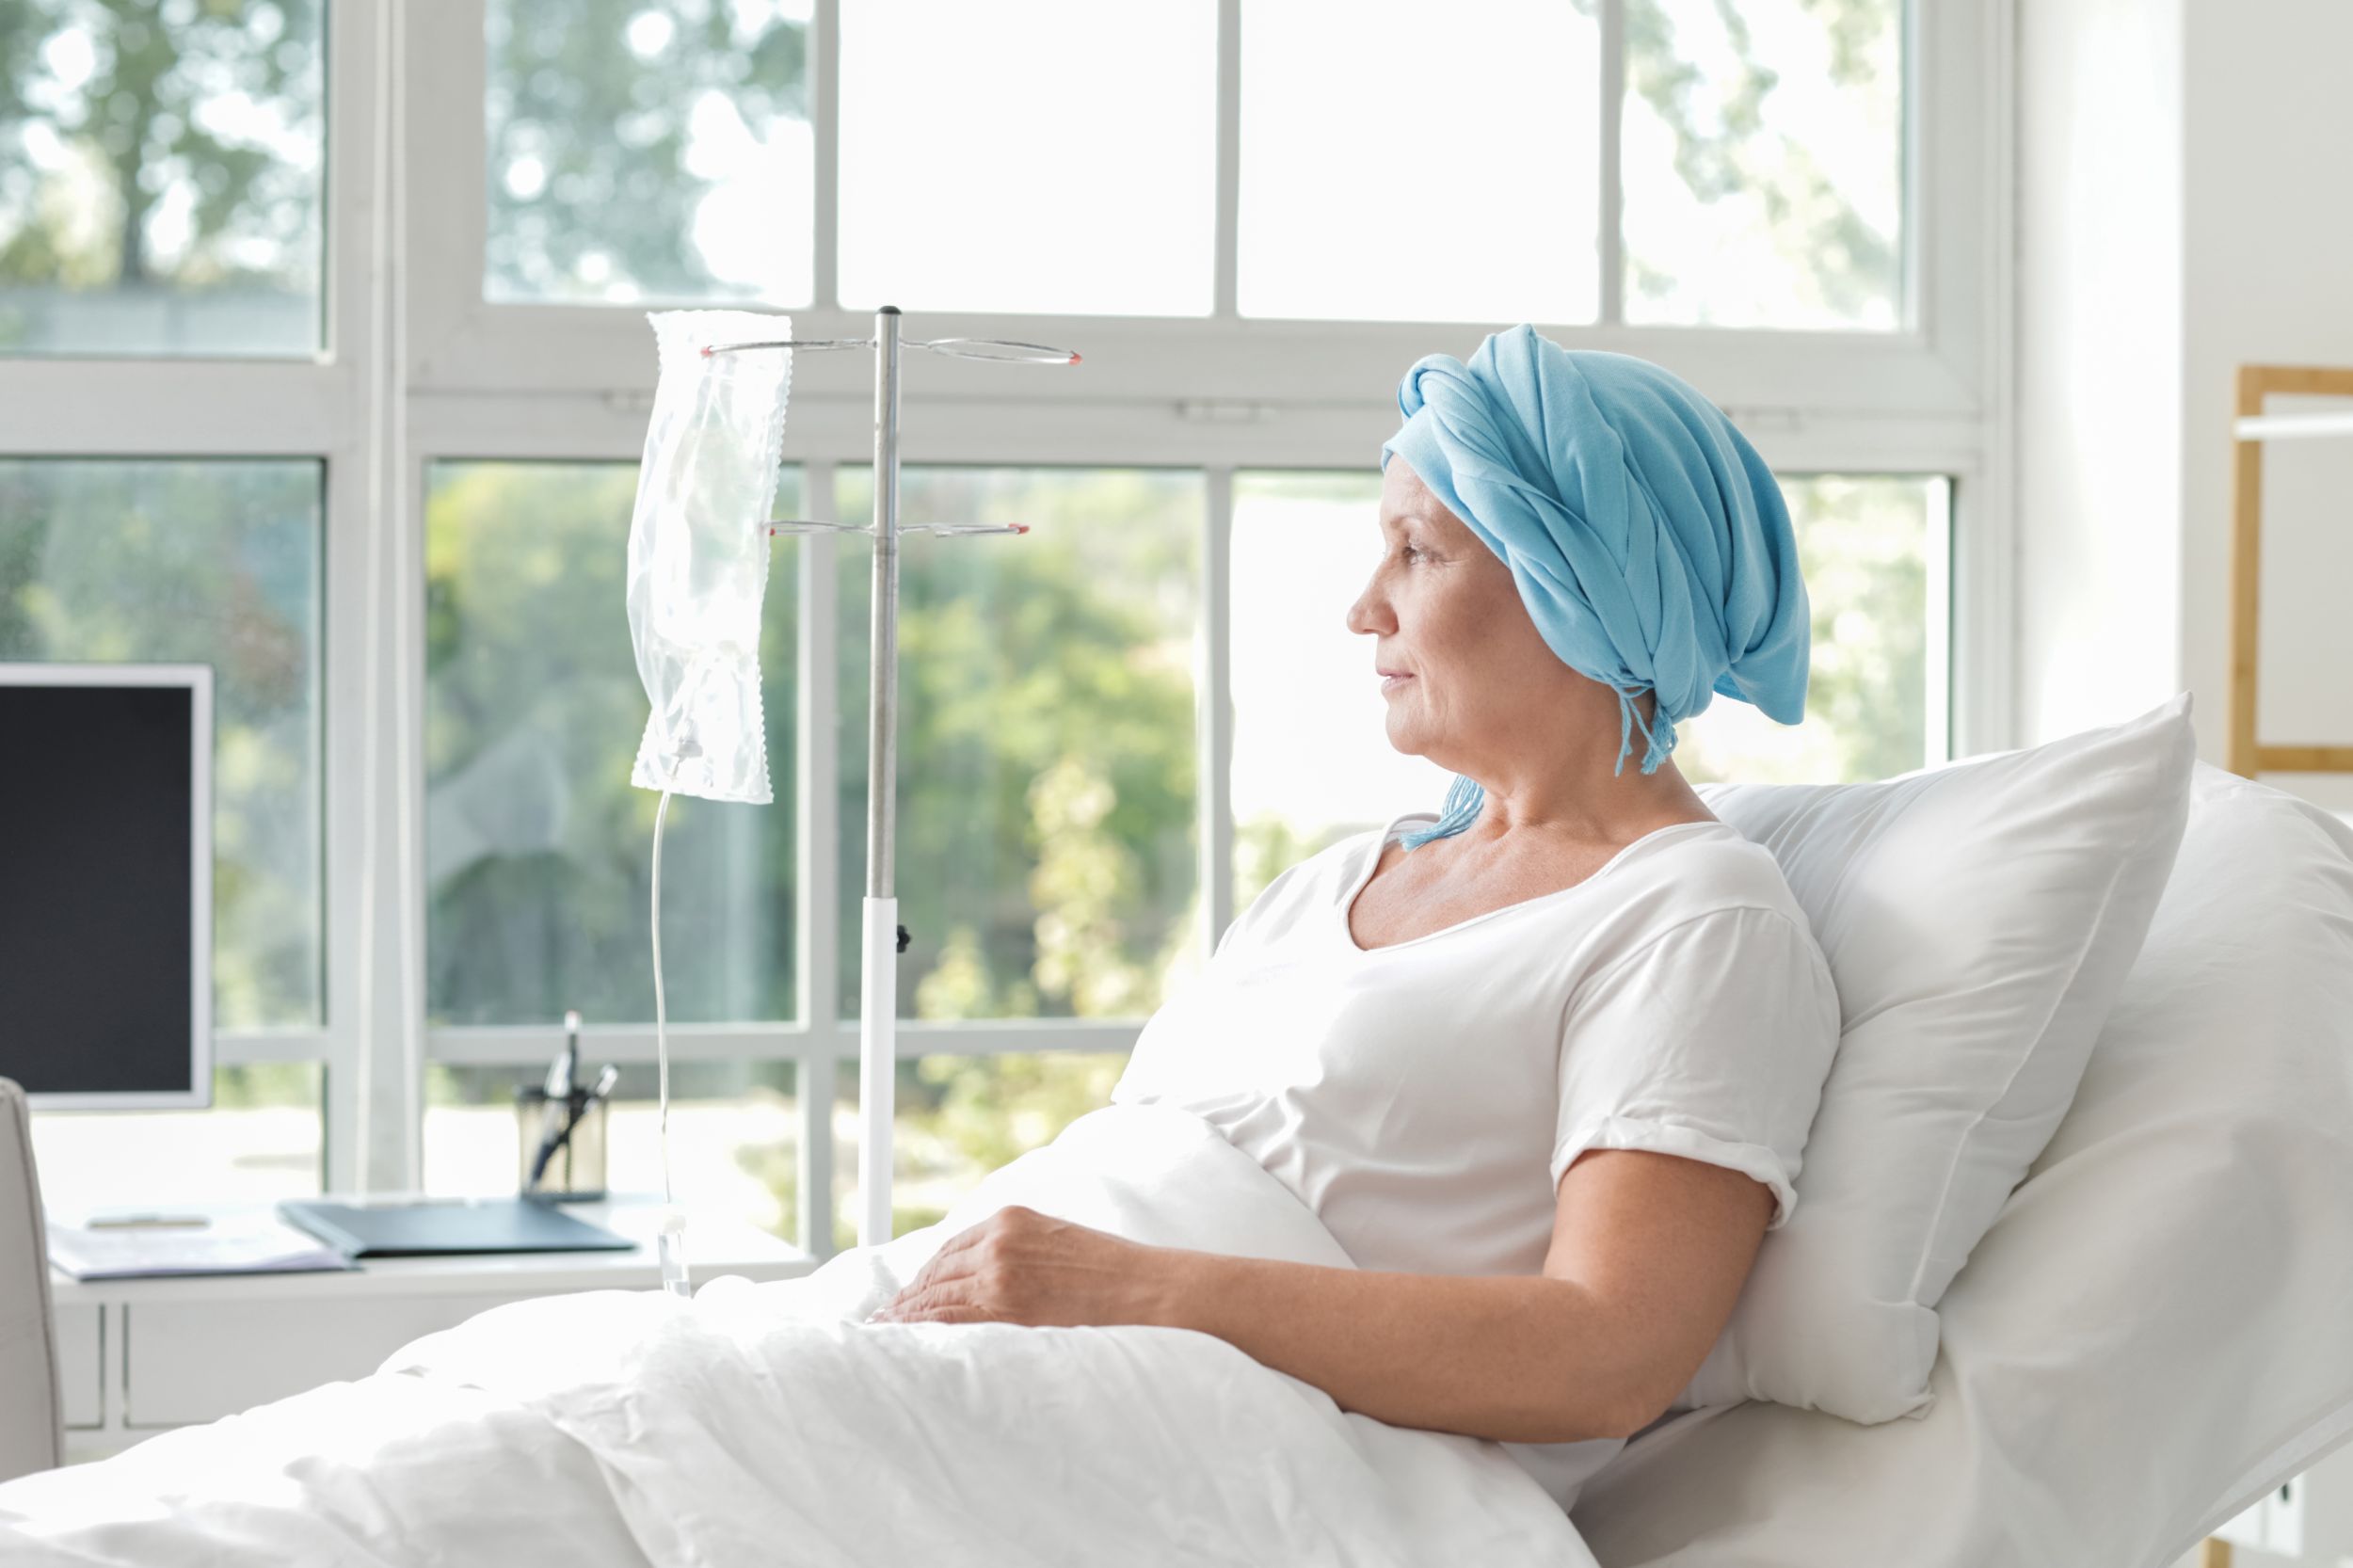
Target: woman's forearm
<point>1522,1359</point>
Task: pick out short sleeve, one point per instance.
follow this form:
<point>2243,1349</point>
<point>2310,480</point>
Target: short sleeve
<point>1711,1041</point>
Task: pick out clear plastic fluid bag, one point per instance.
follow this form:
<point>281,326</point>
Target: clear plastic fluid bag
<point>698,552</point>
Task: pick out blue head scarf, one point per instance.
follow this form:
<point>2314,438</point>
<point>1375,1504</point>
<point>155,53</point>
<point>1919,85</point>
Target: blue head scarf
<point>1650,542</point>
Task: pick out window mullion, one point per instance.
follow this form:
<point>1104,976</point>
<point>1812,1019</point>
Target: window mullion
<point>376,531</point>
<point>1228,241</point>
<point>1214,705</point>
<point>1610,186</point>
<point>824,113</point>
<point>354,67</point>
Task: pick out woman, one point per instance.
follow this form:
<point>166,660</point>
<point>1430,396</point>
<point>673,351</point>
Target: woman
<point>1544,1064</point>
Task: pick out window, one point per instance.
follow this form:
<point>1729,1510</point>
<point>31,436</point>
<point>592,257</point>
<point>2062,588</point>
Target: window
<point>974,194</point>
<point>646,152</point>
<point>210,563</point>
<point>1374,189</point>
<point>537,848</point>
<point>1875,549</point>
<point>1762,150</point>
<point>957,1117</point>
<point>386,493</point>
<point>213,562</point>
<point>161,178</point>
<point>1046,848</point>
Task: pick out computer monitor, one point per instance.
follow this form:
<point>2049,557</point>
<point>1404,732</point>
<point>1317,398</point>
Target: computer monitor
<point>106,885</point>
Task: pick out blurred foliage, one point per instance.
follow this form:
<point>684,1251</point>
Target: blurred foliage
<point>1757,171</point>
<point>1045,843</point>
<point>1267,846</point>
<point>170,144</point>
<point>968,1115</point>
<point>538,849</point>
<point>208,561</point>
<point>1864,542</point>
<point>252,1085</point>
<point>591,110</point>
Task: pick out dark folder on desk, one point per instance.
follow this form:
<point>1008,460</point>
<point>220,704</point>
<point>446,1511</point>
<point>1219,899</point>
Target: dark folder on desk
<point>437,1227</point>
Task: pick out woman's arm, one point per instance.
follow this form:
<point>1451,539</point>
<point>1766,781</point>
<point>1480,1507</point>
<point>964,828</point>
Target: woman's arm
<point>1649,1251</point>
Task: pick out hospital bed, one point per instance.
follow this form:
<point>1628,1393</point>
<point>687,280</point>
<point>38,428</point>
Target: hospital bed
<point>2151,1336</point>
<point>2158,1329</point>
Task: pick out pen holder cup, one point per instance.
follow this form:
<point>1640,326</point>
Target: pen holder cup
<point>575,1170</point>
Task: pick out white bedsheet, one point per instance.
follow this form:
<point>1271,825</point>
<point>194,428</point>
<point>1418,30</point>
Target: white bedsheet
<point>765,1423</point>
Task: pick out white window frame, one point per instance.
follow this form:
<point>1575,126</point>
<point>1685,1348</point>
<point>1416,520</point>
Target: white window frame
<point>417,368</point>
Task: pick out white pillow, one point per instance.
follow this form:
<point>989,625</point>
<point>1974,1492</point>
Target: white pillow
<point>2151,1336</point>
<point>1979,918</point>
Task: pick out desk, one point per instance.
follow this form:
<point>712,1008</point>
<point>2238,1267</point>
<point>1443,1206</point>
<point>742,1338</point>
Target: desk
<point>137,1357</point>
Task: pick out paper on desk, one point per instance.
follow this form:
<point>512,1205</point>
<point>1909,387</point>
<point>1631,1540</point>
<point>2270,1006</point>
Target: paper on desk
<point>231,1244</point>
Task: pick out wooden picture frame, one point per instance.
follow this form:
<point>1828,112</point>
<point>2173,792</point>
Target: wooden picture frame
<point>2249,427</point>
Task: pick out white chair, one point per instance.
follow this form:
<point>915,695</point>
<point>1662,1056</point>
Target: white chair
<point>31,1434</point>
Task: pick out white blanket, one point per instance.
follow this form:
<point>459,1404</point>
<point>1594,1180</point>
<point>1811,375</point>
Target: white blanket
<point>768,1423</point>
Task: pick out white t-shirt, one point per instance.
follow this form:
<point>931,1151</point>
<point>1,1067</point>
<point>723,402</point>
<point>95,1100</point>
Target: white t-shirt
<point>1425,1097</point>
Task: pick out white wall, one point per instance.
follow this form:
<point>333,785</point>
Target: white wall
<point>2099,362</point>
<point>2185,190</point>
<point>2268,278</point>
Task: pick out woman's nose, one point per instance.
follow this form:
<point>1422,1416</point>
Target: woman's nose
<point>1370,614</point>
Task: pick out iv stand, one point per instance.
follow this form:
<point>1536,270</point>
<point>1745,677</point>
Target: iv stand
<point>882,937</point>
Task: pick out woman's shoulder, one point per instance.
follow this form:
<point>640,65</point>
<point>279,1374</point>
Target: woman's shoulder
<point>1701,868</point>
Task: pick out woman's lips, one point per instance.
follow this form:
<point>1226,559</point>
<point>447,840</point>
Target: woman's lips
<point>1391,682</point>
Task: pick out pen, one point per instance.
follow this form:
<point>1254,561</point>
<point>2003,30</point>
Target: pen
<point>579,1105</point>
<point>147,1221</point>
<point>558,1091</point>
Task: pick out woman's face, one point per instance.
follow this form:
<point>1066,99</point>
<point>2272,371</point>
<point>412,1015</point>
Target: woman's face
<point>1446,616</point>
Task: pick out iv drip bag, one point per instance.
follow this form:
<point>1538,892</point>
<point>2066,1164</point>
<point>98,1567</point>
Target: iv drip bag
<point>698,552</point>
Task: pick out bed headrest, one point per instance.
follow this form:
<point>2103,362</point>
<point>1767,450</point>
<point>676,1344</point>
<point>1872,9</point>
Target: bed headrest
<point>1979,919</point>
<point>2151,1333</point>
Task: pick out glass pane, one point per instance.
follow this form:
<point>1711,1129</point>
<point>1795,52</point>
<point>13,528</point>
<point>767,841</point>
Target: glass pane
<point>129,561</point>
<point>735,1133</point>
<point>1762,150</point>
<point>1063,163</point>
<point>160,177</point>
<point>1873,549</point>
<point>1045,843</point>
<point>956,1119</point>
<point>1365,130</point>
<point>1312,763</point>
<point>260,1140</point>
<point>537,847</point>
<point>648,149</point>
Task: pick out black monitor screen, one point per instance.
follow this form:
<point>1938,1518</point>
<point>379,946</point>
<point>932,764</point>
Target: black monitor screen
<point>96,923</point>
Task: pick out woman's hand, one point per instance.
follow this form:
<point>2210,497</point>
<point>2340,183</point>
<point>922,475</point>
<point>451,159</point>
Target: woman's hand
<point>1019,1266</point>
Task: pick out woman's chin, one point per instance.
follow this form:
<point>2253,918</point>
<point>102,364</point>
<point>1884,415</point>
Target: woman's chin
<point>1404,735</point>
